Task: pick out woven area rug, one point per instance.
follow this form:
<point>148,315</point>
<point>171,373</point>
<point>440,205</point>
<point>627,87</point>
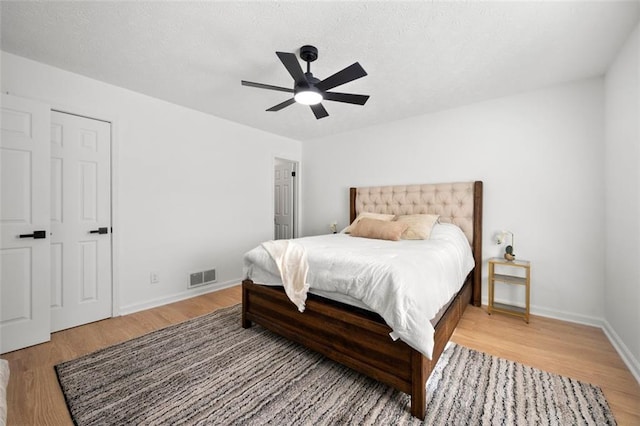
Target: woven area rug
<point>211,371</point>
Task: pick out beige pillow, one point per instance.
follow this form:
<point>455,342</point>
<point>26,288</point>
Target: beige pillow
<point>418,225</point>
<point>378,229</point>
<point>378,216</point>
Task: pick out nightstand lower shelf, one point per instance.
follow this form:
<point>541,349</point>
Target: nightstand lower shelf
<point>508,309</point>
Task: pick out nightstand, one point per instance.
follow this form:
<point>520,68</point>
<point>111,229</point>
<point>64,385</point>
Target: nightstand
<point>509,275</point>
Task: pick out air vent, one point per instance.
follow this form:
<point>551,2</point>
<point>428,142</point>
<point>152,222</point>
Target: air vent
<point>209,276</point>
<point>196,279</point>
<point>202,278</point>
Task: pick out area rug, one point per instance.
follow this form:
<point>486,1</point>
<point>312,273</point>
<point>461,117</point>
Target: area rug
<point>211,371</point>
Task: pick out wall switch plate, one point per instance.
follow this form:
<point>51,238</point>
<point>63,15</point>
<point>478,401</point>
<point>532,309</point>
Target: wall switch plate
<point>154,278</point>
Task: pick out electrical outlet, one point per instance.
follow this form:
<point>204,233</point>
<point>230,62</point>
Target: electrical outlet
<point>154,278</point>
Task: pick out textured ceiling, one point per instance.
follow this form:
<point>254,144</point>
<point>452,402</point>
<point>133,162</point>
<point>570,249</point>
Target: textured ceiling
<point>420,56</point>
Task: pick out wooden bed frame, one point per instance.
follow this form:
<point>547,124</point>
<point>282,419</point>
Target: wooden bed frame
<point>358,338</point>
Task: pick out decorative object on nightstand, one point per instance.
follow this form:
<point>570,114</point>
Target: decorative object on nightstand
<point>334,227</point>
<point>501,238</point>
<point>509,277</point>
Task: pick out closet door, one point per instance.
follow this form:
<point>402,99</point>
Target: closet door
<point>24,223</point>
<point>81,285</point>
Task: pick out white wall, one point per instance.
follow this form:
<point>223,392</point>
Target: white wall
<point>193,191</point>
<point>622,180</point>
<point>540,157</point>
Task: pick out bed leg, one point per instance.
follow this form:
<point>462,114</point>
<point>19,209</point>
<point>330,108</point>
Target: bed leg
<point>246,323</point>
<point>419,374</point>
<point>418,408</point>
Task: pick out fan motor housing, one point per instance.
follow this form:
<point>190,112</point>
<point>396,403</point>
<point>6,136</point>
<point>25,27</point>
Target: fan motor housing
<point>308,53</point>
<point>311,79</point>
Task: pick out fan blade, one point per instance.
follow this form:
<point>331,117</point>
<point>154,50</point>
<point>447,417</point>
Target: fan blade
<point>292,65</point>
<point>319,111</point>
<point>348,98</point>
<point>282,105</point>
<point>350,73</point>
<point>266,86</point>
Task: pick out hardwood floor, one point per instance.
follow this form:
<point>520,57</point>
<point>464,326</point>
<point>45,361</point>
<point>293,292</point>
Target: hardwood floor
<point>34,396</point>
<point>573,350</point>
<point>577,351</point>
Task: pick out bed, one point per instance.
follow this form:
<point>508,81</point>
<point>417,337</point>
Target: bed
<point>359,338</point>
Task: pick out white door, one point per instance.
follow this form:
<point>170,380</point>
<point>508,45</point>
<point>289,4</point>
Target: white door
<point>24,223</point>
<point>284,175</point>
<point>80,220</point>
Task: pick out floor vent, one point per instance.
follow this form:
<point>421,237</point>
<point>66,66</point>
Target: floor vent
<point>202,278</point>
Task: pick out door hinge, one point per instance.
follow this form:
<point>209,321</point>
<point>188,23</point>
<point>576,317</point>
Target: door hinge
<point>293,174</point>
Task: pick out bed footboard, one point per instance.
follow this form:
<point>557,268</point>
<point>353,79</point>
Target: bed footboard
<point>353,337</point>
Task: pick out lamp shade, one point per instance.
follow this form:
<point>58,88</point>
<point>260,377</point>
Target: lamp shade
<point>308,96</point>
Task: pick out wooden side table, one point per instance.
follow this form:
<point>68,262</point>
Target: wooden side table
<point>509,277</point>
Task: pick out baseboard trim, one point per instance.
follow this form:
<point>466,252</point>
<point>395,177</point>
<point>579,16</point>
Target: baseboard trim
<point>567,316</point>
<point>176,297</point>
<point>627,357</point>
<point>555,314</point>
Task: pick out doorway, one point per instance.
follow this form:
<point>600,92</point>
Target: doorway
<point>285,187</point>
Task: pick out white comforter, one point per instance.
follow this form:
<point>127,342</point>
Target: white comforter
<point>406,282</point>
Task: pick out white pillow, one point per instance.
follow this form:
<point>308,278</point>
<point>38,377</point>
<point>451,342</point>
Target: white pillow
<point>377,216</point>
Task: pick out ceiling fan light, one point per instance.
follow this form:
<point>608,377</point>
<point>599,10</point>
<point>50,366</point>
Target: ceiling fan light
<point>308,97</point>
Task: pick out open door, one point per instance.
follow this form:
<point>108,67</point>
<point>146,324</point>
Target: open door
<point>284,199</point>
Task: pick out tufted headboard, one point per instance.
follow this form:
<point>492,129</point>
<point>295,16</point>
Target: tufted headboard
<point>459,203</point>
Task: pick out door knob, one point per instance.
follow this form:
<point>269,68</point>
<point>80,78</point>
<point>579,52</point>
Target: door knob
<point>36,235</point>
<point>103,230</point>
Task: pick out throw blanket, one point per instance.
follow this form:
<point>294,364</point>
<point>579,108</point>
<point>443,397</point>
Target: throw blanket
<point>291,260</point>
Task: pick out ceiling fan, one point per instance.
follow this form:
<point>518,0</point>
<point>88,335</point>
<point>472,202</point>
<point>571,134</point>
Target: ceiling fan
<point>309,90</point>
